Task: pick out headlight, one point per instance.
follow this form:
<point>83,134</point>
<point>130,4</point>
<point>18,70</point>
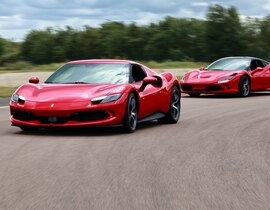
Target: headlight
<point>17,98</point>
<point>226,79</point>
<point>183,78</point>
<point>106,99</point>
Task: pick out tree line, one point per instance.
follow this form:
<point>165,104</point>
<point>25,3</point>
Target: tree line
<point>222,33</point>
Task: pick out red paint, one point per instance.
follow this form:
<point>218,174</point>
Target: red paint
<point>66,100</point>
<point>206,82</point>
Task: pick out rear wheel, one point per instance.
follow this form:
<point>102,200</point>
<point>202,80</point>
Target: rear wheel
<point>194,94</point>
<point>131,114</point>
<point>244,86</point>
<point>173,114</point>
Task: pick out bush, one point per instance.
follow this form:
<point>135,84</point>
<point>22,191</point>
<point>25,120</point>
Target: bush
<point>174,64</point>
<point>17,65</point>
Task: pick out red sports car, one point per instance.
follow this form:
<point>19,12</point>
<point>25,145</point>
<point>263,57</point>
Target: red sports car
<point>228,75</point>
<point>97,93</point>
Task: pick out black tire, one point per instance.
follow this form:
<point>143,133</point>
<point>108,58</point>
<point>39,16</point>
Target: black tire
<point>194,94</point>
<point>28,128</point>
<point>174,112</point>
<point>131,114</point>
<point>244,86</point>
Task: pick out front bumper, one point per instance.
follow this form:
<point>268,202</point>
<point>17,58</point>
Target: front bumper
<point>209,88</point>
<point>60,114</point>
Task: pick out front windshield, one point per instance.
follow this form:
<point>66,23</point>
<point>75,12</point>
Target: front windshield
<point>230,64</point>
<point>91,73</point>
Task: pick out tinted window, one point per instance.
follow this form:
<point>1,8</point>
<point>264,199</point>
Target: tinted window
<point>137,74</point>
<point>256,63</point>
<point>265,63</point>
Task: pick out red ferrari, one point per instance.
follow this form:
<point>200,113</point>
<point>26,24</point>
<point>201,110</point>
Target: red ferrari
<point>97,93</point>
<point>240,75</point>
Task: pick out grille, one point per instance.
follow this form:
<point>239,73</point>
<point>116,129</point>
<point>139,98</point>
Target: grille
<point>76,116</point>
<point>23,116</point>
<point>90,116</point>
<point>57,120</point>
<point>214,88</point>
<point>186,87</point>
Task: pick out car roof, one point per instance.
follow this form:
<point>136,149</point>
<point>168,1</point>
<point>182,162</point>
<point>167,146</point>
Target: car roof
<point>93,61</point>
<point>246,57</point>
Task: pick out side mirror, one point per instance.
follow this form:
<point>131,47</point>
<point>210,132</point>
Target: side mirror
<point>34,80</point>
<point>148,81</point>
<point>258,69</point>
<point>202,69</point>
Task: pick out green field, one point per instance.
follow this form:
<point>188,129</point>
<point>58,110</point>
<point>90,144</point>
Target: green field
<point>174,64</point>
<point>6,92</point>
<point>22,66</point>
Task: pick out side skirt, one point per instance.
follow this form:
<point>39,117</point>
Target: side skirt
<point>152,117</point>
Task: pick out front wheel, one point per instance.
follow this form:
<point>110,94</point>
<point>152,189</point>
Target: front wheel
<point>244,86</point>
<point>173,114</point>
<point>131,114</point>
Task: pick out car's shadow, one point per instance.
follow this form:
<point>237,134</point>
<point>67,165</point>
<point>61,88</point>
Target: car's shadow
<point>227,96</point>
<point>87,131</point>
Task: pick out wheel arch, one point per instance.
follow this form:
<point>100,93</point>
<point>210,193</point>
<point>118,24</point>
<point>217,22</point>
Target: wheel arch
<point>176,83</point>
<point>137,98</point>
<point>240,88</point>
<point>248,76</point>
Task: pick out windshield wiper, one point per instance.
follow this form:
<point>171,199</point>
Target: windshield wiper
<point>77,82</point>
<point>216,70</point>
<point>80,82</point>
<point>50,82</point>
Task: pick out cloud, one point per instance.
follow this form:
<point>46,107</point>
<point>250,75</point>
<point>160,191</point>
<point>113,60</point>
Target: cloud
<point>199,4</point>
<point>18,17</point>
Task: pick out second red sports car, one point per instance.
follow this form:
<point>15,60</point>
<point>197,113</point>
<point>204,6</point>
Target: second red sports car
<point>97,93</point>
<point>240,75</point>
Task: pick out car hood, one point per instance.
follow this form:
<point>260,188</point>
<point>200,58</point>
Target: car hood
<point>208,76</point>
<point>68,92</point>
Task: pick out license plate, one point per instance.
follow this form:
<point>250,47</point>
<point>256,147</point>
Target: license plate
<point>52,119</point>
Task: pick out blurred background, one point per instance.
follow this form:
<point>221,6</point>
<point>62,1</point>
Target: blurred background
<point>171,42</point>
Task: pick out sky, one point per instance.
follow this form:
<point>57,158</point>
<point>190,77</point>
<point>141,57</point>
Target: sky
<point>19,17</point>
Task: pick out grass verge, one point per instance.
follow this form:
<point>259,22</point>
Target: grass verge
<point>6,91</point>
<point>30,68</point>
<point>174,64</point>
<point>21,66</point>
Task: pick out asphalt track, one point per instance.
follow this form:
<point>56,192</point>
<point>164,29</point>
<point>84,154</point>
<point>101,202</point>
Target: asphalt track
<point>216,157</point>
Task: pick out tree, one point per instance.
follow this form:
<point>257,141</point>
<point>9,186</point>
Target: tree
<point>113,39</point>
<point>136,41</point>
<point>223,32</point>
<point>61,42</point>
<point>38,46</point>
<point>1,47</point>
<point>264,41</point>
<point>91,43</point>
<point>250,36</point>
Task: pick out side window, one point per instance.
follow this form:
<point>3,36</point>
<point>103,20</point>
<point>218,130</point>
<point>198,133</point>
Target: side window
<point>137,73</point>
<point>265,63</point>
<point>256,63</point>
<point>259,64</point>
